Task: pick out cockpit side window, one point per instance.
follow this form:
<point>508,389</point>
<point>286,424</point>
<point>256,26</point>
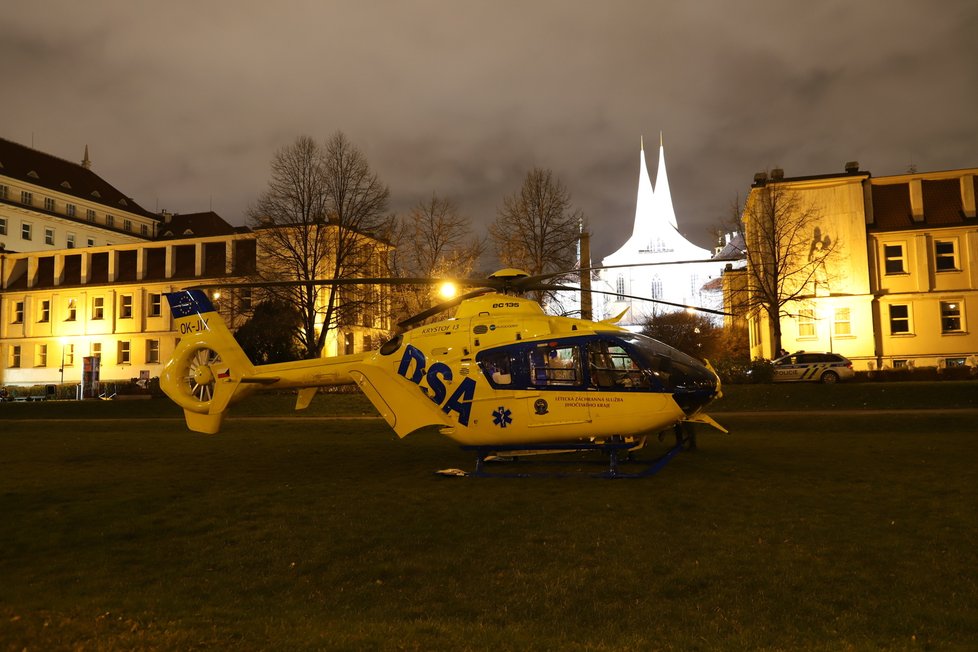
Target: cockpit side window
<point>555,366</point>
<point>498,367</point>
<point>612,367</point>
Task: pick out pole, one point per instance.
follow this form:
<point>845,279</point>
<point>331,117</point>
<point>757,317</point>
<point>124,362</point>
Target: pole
<point>585,262</point>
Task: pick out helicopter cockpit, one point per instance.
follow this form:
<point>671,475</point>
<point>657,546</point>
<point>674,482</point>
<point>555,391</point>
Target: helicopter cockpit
<point>612,361</point>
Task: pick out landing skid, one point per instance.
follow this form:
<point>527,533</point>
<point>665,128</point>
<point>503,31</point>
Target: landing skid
<point>613,449</point>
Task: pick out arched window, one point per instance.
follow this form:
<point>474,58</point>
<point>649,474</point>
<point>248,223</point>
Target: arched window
<point>656,287</point>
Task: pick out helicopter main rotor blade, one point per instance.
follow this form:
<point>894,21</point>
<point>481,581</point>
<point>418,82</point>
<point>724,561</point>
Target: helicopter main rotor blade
<point>529,280</point>
<point>441,307</point>
<point>567,288</point>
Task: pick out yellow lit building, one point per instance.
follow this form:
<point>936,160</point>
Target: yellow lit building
<point>83,271</point>
<point>899,287</point>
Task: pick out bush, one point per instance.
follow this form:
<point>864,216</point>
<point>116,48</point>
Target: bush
<point>733,371</point>
<point>956,373</point>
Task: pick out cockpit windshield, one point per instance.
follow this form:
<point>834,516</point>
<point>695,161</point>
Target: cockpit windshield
<point>608,361</point>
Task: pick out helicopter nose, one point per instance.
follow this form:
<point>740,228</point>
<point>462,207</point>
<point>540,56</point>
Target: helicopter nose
<point>694,385</point>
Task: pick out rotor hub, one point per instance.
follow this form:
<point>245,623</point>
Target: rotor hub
<point>203,375</point>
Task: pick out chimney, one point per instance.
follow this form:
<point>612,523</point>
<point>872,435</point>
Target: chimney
<point>852,167</point>
<point>777,174</point>
<point>760,177</point>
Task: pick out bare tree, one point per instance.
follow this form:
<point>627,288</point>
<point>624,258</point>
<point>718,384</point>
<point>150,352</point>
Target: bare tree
<point>537,229</point>
<point>316,220</point>
<point>434,240</point>
<point>786,252</point>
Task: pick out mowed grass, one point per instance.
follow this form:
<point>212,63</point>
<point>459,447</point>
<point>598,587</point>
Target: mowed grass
<point>792,532</point>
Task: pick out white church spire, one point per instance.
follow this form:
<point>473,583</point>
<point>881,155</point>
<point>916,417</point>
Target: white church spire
<point>645,201</point>
<point>663,198</point>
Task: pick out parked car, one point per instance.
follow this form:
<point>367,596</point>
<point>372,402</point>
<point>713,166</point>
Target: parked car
<point>815,367</point>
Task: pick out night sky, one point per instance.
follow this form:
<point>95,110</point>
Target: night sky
<point>183,104</point>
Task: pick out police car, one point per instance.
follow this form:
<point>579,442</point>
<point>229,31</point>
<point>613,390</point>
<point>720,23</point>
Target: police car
<point>815,367</point>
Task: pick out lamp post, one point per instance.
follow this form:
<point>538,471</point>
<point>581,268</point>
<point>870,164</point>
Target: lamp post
<point>64,343</point>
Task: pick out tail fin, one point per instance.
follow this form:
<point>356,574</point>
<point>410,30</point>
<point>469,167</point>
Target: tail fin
<point>204,375</point>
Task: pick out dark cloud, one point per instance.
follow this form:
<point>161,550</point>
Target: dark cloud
<point>183,104</point>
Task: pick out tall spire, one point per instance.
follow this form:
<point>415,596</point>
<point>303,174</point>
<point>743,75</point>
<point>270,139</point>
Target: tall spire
<point>663,198</point>
<point>645,200</point>
<point>86,162</point>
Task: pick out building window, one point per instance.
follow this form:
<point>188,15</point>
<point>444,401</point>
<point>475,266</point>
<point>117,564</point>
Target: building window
<point>900,364</point>
<point>951,317</point>
<point>91,242</point>
<point>620,288</point>
<point>127,225</point>
<point>19,312</point>
<point>44,315</point>
<point>90,215</point>
<point>656,287</point>
<point>96,349</point>
<point>26,231</point>
<point>842,325</point>
<point>42,356</point>
<point>125,306</point>
<point>3,192</point>
<point>69,355</point>
<point>143,229</point>
<point>15,356</point>
<point>98,308</point>
<point>48,204</point>
<point>954,362</point>
<point>109,220</point>
<point>899,319</point>
<point>3,226</point>
<point>123,352</point>
<point>70,210</point>
<point>72,311</point>
<point>152,351</point>
<point>806,321</point>
<point>48,236</point>
<point>70,240</point>
<point>246,299</point>
<point>26,197</point>
<point>945,255</point>
<point>894,262</point>
<point>155,303</point>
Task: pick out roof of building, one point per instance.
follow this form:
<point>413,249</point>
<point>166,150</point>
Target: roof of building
<point>40,169</point>
<point>196,225</point>
<point>941,199</point>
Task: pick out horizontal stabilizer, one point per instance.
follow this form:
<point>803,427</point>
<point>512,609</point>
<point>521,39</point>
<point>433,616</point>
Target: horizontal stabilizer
<point>260,380</point>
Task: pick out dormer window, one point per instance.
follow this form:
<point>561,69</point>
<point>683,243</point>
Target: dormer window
<point>96,194</point>
<point>32,174</point>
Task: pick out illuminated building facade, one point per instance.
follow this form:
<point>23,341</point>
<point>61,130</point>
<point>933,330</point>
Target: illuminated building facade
<point>73,287</point>
<point>899,287</point>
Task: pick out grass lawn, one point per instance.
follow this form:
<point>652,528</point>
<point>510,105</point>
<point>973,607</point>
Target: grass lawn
<point>837,532</point>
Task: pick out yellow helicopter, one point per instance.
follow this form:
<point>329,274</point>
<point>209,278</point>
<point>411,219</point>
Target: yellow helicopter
<point>501,377</point>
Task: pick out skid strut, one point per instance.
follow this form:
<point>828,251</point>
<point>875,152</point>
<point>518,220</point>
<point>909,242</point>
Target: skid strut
<point>613,449</point>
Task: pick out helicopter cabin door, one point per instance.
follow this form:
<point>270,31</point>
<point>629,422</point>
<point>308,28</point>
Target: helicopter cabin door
<point>556,384</point>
